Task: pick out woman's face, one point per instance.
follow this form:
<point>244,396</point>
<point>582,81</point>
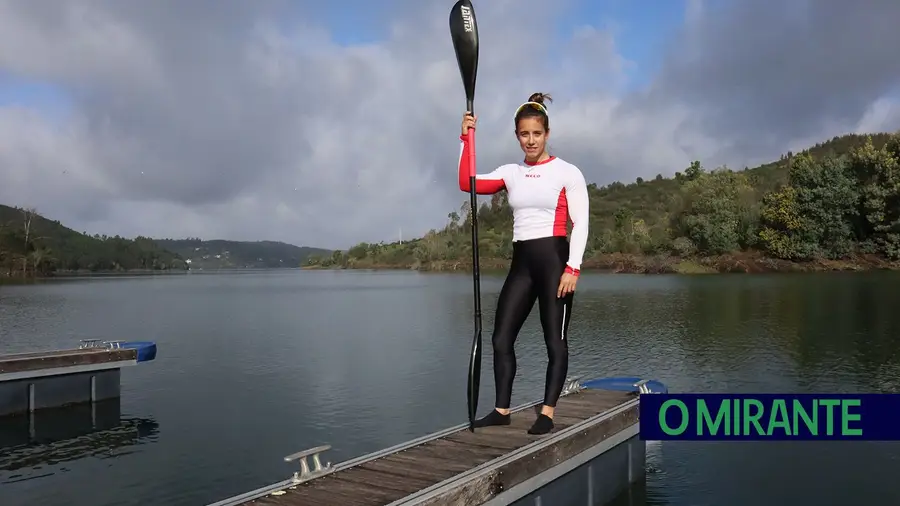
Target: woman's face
<point>532,137</point>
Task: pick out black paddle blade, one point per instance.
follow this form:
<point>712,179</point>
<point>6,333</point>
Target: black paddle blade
<point>464,32</point>
<point>474,378</point>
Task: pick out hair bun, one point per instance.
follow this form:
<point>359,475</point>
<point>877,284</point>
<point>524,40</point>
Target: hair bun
<point>540,98</point>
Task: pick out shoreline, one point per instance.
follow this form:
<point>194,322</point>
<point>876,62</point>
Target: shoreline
<point>616,263</point>
<point>136,272</point>
<point>620,263</point>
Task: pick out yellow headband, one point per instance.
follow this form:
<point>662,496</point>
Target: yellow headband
<point>535,104</point>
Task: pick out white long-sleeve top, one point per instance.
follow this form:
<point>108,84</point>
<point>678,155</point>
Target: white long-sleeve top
<point>542,196</point>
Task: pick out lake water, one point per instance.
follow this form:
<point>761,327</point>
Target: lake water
<point>254,366</point>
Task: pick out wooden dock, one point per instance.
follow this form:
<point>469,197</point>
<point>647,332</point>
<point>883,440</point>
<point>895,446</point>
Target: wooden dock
<point>49,362</point>
<point>492,466</point>
<point>56,378</point>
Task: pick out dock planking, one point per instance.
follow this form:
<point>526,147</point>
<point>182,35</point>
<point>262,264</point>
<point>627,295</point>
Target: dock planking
<point>450,460</point>
<point>24,362</point>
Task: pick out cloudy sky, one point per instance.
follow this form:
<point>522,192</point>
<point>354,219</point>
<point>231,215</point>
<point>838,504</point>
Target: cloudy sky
<point>330,123</point>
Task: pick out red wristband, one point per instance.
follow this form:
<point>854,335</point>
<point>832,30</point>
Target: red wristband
<point>574,272</point>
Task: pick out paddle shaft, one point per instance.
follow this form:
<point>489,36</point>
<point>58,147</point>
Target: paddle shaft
<point>475,373</point>
<point>476,274</point>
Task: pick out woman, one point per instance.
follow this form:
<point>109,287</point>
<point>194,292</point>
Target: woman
<point>543,190</point>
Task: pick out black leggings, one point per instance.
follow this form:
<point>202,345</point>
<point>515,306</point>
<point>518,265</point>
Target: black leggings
<point>537,266</point>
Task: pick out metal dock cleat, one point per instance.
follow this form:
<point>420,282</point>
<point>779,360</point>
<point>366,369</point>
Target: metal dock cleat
<point>305,473</point>
<point>642,386</point>
<point>100,343</point>
<point>572,385</point>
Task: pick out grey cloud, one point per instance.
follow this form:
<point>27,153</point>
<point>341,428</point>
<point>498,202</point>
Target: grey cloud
<point>760,74</point>
<point>246,121</point>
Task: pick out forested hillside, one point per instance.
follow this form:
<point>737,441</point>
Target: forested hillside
<point>32,245</point>
<point>836,205</point>
<point>221,254</point>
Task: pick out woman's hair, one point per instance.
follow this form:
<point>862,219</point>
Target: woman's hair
<point>530,110</point>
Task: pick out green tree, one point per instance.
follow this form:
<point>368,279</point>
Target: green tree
<point>877,173</point>
<point>714,206</point>
<point>781,232</point>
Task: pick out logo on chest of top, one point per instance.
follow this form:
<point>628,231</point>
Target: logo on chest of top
<point>532,175</point>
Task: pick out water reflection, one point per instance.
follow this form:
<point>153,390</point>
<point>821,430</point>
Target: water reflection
<point>639,494</point>
<point>836,333</point>
<point>52,437</point>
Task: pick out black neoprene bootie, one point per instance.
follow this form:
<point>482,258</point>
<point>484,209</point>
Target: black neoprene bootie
<point>542,425</point>
<point>492,418</point>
